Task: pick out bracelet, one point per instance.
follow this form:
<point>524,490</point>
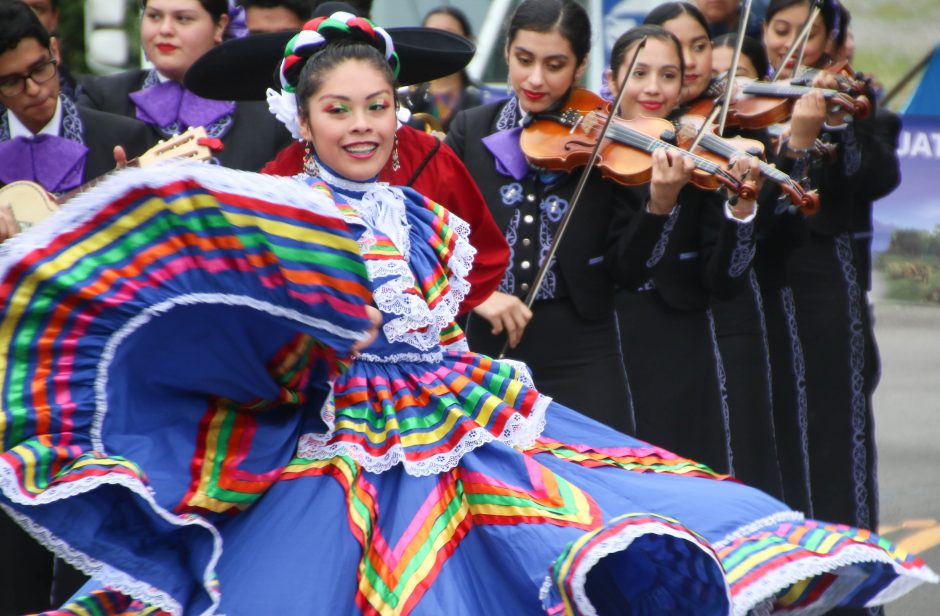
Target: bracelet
<point>797,153</point>
<point>801,151</point>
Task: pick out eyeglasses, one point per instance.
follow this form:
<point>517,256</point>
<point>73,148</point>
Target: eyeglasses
<point>16,84</point>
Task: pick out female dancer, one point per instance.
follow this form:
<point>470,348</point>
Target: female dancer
<point>828,302</point>
<point>569,337</point>
<point>174,34</point>
<point>675,370</point>
<point>210,479</point>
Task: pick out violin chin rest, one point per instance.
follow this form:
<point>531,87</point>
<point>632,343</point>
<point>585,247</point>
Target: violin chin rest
<point>669,136</point>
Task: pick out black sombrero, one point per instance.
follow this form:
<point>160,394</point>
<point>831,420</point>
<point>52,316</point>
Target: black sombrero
<point>243,69</point>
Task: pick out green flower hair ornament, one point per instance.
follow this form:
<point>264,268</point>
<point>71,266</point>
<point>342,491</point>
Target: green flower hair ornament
<point>318,32</point>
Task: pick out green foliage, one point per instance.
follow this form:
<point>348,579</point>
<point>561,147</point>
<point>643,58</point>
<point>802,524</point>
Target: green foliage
<point>911,266</point>
<point>72,35</point>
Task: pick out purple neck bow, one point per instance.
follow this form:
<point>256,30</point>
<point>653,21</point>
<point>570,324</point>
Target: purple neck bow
<point>167,103</point>
<point>504,146</point>
<point>58,164</point>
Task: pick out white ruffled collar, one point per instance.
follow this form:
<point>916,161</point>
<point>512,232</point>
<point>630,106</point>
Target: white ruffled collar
<point>344,184</point>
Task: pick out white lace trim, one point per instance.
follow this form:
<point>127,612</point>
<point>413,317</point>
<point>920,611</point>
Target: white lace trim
<point>776,519</point>
<point>618,543</point>
<point>286,191</point>
<point>811,566</point>
<point>394,358</point>
<point>384,209</point>
<point>519,432</point>
<point>192,299</point>
<point>123,581</point>
<point>523,375</point>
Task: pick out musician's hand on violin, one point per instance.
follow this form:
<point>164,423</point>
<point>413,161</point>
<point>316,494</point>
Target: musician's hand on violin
<point>8,225</point>
<point>809,113</point>
<point>747,170</point>
<point>825,80</point>
<point>671,171</point>
<point>375,322</point>
<point>507,313</point>
<point>120,157</point>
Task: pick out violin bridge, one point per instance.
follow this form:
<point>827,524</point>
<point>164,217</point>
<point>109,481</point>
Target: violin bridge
<point>576,124</point>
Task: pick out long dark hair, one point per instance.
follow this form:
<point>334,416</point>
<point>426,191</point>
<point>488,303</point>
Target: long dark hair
<point>829,14</point>
<point>567,16</point>
<point>751,47</point>
<point>670,10</point>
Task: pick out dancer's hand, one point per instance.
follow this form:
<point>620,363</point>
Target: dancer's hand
<point>375,322</point>
<point>505,313</point>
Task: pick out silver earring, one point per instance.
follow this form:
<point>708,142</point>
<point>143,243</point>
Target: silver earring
<point>396,162</point>
<point>310,161</point>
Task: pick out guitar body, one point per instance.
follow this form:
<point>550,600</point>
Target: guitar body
<point>29,202</point>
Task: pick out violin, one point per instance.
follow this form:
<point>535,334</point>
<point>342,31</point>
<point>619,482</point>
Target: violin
<point>563,140</point>
<point>848,81</point>
<point>722,149</point>
<point>758,104</point>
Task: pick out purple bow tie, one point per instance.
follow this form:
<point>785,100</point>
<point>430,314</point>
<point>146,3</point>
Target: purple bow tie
<point>169,102</point>
<point>504,146</point>
<point>58,164</point>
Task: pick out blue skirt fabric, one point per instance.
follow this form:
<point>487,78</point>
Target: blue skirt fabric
<point>181,421</point>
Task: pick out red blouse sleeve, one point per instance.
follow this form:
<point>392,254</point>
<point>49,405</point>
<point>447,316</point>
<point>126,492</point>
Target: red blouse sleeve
<point>289,161</point>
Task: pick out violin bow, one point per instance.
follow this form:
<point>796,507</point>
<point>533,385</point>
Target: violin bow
<point>582,181</point>
<point>800,41</point>
<point>733,71</point>
<point>708,122</point>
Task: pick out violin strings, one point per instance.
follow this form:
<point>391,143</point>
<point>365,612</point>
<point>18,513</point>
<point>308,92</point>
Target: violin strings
<point>722,148</point>
<point>634,138</point>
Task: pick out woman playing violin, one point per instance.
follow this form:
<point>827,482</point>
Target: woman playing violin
<point>569,337</point>
<point>669,349</point>
<point>827,300</point>
<point>745,387</point>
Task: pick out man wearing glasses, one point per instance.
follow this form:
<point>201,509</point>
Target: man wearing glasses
<point>44,137</point>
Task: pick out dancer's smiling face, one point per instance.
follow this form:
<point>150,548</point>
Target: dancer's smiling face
<point>350,119</point>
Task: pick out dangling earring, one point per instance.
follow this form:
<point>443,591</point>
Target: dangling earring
<point>396,162</point>
<point>310,162</point>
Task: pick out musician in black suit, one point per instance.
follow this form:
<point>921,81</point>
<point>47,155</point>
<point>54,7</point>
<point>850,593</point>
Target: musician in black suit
<point>668,332</point>
<point>569,338</point>
<point>173,39</point>
<point>44,136</point>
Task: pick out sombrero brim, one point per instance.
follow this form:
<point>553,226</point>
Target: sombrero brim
<point>243,69</point>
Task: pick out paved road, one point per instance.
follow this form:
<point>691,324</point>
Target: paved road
<point>907,410</point>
